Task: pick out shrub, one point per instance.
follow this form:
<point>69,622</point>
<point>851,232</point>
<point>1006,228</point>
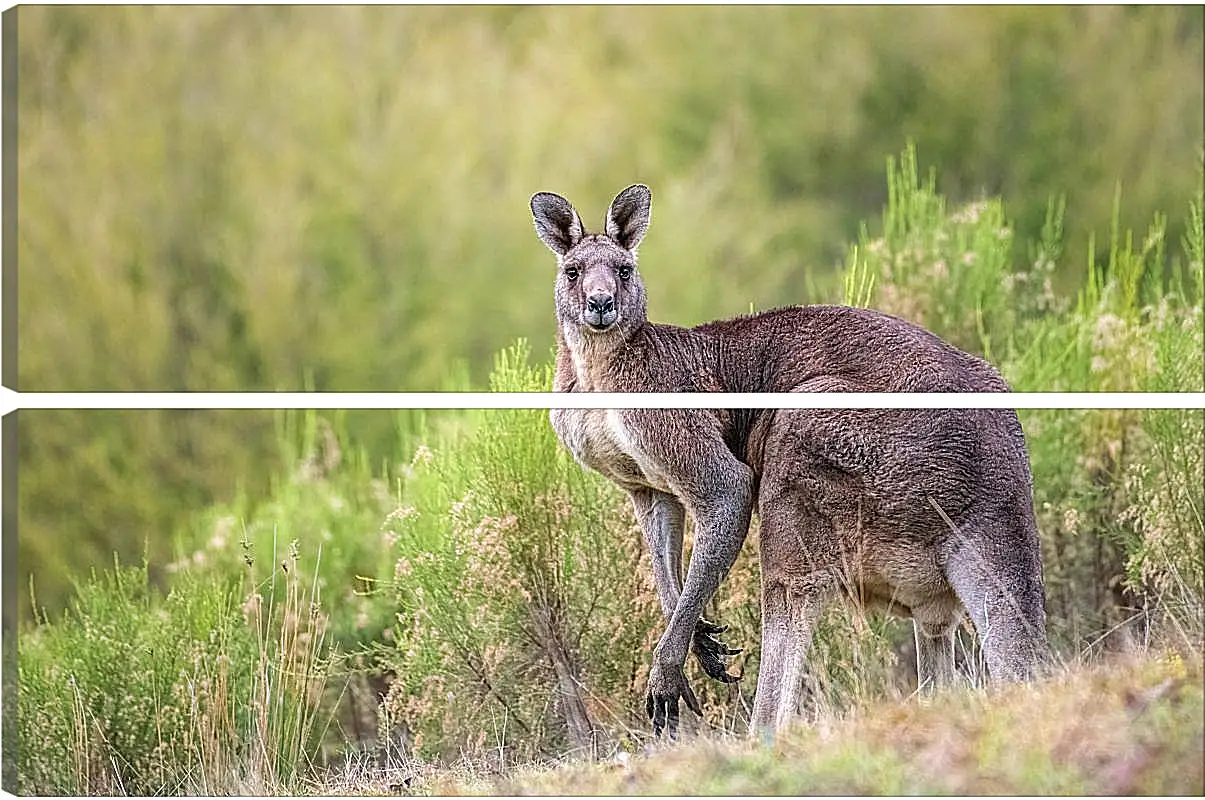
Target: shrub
<point>522,609</point>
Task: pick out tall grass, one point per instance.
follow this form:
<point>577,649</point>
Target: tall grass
<point>209,690</point>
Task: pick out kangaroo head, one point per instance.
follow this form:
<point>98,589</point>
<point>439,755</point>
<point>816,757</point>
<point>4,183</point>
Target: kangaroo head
<point>598,290</point>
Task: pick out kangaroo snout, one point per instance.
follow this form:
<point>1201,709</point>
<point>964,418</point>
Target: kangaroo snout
<point>600,311</point>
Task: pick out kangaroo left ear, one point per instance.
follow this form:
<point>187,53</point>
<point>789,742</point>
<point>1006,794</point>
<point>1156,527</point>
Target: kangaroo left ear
<point>628,216</point>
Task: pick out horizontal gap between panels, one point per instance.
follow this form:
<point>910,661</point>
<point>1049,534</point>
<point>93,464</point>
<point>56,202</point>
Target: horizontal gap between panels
<point>11,401</point>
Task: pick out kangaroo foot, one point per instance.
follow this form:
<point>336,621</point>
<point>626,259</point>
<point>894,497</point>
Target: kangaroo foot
<point>711,651</point>
<point>667,684</point>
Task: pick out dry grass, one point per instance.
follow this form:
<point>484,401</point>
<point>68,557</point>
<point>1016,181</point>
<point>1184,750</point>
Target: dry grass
<point>1129,727</point>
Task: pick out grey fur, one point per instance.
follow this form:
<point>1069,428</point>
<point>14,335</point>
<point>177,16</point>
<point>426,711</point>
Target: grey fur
<point>922,513</point>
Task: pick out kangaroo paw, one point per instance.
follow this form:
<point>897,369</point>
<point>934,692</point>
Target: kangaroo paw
<point>667,685</point>
<point>711,652</point>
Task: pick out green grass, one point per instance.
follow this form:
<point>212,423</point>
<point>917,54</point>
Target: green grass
<point>214,688</point>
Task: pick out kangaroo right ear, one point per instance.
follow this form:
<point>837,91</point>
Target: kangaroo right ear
<point>557,223</point>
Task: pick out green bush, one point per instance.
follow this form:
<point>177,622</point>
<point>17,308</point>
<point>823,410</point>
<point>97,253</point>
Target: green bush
<point>523,610</point>
<point>943,270</point>
<point>1163,521</point>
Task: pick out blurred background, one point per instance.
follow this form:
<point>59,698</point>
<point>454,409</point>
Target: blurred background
<point>267,198</point>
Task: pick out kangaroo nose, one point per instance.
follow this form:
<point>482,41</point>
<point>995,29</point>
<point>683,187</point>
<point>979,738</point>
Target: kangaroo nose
<point>600,304</point>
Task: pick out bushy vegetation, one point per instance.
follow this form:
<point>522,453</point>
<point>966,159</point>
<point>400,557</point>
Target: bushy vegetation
<point>495,607</point>
<point>282,198</point>
<point>214,688</point>
<point>520,618</point>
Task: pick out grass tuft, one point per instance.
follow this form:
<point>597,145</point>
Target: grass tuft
<point>204,691</point>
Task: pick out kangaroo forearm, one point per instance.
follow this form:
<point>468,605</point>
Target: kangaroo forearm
<point>702,581</point>
<point>661,519</point>
<point>666,574</point>
<point>723,524</point>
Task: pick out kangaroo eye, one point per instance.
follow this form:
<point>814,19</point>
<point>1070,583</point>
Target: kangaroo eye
<point>571,273</point>
<point>625,272</point>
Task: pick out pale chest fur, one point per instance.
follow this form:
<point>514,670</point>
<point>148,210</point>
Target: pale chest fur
<point>590,360</point>
<point>600,440</point>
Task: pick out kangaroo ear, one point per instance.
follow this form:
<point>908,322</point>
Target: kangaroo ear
<point>628,216</point>
<point>557,223</point>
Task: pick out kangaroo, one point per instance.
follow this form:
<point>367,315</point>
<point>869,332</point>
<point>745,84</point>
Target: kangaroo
<point>921,513</point>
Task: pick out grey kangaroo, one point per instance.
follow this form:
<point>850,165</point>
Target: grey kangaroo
<point>922,513</point>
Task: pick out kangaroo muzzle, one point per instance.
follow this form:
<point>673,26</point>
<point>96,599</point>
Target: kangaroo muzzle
<point>600,311</point>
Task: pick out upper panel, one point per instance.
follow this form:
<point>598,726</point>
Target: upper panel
<point>263,198</point>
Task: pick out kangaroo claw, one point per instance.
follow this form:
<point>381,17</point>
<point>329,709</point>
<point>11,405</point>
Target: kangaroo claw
<point>711,651</point>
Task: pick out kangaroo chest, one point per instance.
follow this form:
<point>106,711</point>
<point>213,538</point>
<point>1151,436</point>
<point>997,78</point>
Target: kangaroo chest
<point>599,440</point>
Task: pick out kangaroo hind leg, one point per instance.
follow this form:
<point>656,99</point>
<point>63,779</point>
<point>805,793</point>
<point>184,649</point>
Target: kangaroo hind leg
<point>789,620</point>
<point>934,629</point>
<point>798,582</point>
<point>996,571</point>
